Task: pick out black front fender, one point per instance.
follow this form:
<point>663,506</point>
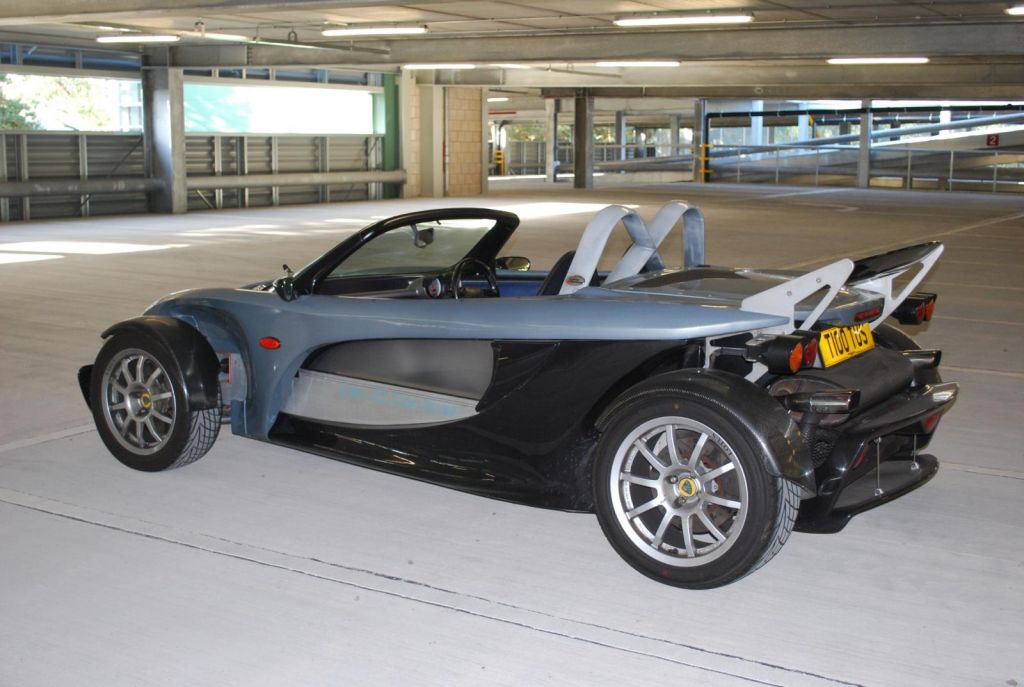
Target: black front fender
<point>783,447</point>
<point>197,360</point>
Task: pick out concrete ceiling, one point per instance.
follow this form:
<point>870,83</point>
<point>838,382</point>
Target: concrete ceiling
<point>976,49</point>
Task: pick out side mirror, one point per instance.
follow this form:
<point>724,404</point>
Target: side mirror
<point>285,288</point>
<point>516,263</point>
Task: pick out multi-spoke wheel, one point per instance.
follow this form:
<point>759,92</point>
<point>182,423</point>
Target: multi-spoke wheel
<point>682,492</point>
<point>142,409</point>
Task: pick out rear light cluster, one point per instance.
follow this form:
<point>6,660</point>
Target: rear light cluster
<point>785,354</point>
<point>917,308</point>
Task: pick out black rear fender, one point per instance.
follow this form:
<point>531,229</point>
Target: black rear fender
<point>197,360</point>
<point>783,447</point>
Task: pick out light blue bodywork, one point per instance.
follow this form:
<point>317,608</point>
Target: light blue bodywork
<point>233,321</point>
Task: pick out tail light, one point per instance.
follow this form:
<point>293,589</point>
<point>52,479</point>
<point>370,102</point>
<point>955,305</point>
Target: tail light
<point>917,308</point>
<point>785,354</point>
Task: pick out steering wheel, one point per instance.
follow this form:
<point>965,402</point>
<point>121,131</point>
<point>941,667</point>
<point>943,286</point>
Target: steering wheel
<point>473,266</point>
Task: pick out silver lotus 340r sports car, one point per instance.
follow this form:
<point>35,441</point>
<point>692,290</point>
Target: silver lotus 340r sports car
<point>701,412</point>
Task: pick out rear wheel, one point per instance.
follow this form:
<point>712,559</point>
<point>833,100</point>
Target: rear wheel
<point>141,407</point>
<point>682,491</point>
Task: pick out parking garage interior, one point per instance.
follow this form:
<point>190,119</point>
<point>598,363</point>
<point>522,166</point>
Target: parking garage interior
<point>244,135</point>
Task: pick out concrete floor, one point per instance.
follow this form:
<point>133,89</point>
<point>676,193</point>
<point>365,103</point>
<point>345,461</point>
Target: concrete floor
<point>264,566</point>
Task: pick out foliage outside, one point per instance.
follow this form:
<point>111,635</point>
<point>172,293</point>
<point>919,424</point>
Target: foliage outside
<point>14,114</point>
<point>62,103</point>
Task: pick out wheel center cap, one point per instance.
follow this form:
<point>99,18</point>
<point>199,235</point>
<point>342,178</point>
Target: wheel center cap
<point>687,487</point>
<point>145,400</point>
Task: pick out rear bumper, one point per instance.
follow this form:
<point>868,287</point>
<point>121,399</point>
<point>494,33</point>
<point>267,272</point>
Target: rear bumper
<point>875,458</point>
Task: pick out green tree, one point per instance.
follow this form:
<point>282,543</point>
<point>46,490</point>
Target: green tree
<point>14,114</point>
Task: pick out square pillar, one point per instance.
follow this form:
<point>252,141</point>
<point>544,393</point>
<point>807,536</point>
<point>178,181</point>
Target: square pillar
<point>864,152</point>
<point>701,144</point>
<point>552,106</point>
<point>163,105</point>
<point>583,141</point>
<point>620,133</point>
<point>432,149</point>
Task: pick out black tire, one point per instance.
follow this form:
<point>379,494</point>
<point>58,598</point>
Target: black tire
<point>892,338</point>
<point>141,407</point>
<point>654,541</point>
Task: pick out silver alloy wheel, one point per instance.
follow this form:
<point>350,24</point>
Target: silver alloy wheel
<point>138,401</point>
<point>678,491</point>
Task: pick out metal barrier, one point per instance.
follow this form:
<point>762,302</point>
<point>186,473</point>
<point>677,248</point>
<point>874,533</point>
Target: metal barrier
<point>998,171</point>
<point>77,174</point>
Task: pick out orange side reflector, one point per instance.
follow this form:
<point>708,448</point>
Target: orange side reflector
<point>796,357</point>
<point>270,343</point>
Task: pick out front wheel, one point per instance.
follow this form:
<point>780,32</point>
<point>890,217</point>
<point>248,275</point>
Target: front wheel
<point>141,407</point>
<point>682,492</point>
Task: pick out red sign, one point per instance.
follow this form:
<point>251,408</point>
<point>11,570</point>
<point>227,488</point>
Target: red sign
<point>992,140</point>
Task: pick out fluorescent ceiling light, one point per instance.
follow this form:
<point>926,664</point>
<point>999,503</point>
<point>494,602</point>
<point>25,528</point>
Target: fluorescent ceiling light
<point>440,65</point>
<point>878,60</point>
<point>232,37</point>
<point>374,31</point>
<point>684,20</point>
<point>638,63</point>
<point>138,38</point>
<point>498,99</point>
<point>1015,11</point>
<point>509,65</point>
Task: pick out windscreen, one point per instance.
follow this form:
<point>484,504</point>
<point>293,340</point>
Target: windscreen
<point>416,248</point>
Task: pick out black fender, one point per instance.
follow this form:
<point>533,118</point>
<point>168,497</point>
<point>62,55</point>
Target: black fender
<point>197,360</point>
<point>783,448</point>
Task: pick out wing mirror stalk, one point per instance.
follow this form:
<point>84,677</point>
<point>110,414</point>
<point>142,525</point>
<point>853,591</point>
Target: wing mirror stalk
<point>285,286</point>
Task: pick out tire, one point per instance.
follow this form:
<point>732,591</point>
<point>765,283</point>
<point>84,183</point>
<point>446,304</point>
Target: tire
<point>141,407</point>
<point>892,338</point>
<point>701,516</point>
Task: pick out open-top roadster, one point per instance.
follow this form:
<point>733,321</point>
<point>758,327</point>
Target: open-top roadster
<point>702,412</point>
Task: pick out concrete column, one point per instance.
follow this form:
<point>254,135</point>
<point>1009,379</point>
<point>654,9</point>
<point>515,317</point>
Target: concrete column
<point>583,141</point>
<point>620,133</point>
<point>700,137</point>
<point>864,152</point>
<point>552,106</point>
<point>803,127</point>
<point>432,141</point>
<point>673,133</point>
<point>485,157</point>
<point>409,127</point>
<point>163,106</point>
<point>757,124</point>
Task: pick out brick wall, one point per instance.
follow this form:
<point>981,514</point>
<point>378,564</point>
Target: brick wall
<point>465,142</point>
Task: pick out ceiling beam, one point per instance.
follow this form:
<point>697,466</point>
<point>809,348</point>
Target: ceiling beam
<point>973,81</point>
<point>980,40</point>
<point>14,12</point>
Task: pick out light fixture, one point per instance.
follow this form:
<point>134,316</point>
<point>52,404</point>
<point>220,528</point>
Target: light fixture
<point>638,63</point>
<point>138,38</point>
<point>439,65</point>
<point>236,38</point>
<point>358,30</point>
<point>1015,11</point>
<point>878,60</point>
<point>201,32</point>
<point>683,20</point>
<point>498,99</point>
<point>509,65</point>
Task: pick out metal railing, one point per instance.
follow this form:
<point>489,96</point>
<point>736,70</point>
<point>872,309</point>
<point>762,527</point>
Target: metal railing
<point>77,174</point>
<point>998,171</point>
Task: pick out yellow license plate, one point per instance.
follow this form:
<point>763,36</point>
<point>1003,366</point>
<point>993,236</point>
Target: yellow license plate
<point>842,343</point>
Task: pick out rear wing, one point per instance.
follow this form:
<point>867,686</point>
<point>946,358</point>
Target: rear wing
<point>876,274</point>
<point>879,272</point>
